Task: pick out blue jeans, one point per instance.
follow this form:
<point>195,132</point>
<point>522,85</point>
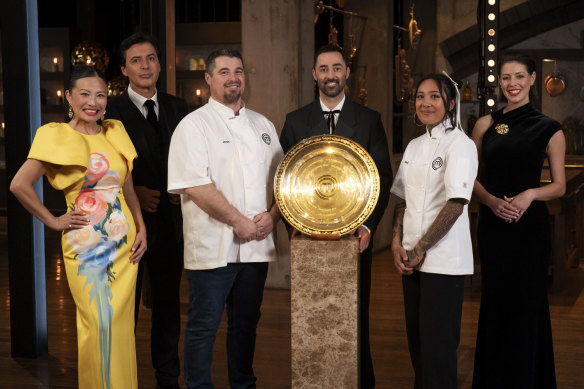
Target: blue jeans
<point>240,286</point>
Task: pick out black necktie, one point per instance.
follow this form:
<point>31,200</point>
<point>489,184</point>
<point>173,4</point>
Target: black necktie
<point>151,116</point>
<point>330,119</point>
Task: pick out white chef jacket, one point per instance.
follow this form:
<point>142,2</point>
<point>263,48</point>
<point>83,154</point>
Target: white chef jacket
<point>237,154</point>
<point>434,169</point>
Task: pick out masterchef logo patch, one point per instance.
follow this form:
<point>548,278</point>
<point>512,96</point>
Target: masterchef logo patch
<point>437,163</point>
<point>266,138</point>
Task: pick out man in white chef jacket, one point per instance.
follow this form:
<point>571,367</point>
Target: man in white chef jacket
<point>222,160</point>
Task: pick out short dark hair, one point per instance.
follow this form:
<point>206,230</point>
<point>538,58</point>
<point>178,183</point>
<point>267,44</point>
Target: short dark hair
<point>329,49</point>
<point>135,39</point>
<point>447,93</point>
<point>82,71</point>
<point>210,61</point>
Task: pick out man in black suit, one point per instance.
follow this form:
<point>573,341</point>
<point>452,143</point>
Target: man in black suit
<point>150,117</point>
<point>335,113</point>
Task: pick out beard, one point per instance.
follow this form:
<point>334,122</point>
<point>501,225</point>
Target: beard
<point>232,96</point>
<point>332,91</point>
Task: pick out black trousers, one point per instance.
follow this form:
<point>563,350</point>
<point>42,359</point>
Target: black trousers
<point>164,259</point>
<point>433,309</point>
<point>367,379</point>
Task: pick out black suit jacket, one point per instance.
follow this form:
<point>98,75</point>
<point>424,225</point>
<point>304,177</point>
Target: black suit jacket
<point>356,122</point>
<point>150,168</point>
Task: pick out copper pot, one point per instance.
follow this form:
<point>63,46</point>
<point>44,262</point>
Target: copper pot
<point>555,84</point>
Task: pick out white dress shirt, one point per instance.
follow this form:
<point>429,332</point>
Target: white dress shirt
<point>139,101</point>
<point>435,168</point>
<point>338,107</point>
<point>237,154</point>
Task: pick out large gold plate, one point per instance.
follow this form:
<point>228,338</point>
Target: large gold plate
<point>326,186</point>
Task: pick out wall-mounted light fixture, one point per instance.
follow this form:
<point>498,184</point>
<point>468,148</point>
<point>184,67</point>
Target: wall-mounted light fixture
<point>489,26</point>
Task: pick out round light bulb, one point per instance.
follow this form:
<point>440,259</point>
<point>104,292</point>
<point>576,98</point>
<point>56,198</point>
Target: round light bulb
<point>491,16</point>
<point>491,32</point>
<point>491,63</point>
<point>491,47</point>
<point>492,2</point>
<point>491,78</point>
<point>490,102</point>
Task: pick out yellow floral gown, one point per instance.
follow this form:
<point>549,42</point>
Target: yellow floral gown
<point>91,170</point>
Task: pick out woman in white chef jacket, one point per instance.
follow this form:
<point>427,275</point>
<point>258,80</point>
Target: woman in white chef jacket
<point>431,237</point>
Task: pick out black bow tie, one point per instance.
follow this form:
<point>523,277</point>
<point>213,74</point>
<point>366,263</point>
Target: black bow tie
<point>330,119</point>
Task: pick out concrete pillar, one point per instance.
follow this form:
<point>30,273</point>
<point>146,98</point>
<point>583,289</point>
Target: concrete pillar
<point>375,61</point>
<point>278,47</point>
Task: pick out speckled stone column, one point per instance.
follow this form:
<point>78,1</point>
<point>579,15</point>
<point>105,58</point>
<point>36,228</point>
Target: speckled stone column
<point>324,290</point>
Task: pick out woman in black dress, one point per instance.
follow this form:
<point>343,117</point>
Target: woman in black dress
<point>514,340</point>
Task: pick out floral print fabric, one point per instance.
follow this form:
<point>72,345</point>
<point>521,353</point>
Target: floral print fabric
<point>91,170</point>
<point>96,245</point>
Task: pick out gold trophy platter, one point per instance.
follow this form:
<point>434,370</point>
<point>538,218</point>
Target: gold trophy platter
<point>326,186</point>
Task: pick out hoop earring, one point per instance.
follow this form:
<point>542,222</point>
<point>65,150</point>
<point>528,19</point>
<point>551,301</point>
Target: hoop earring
<point>70,113</point>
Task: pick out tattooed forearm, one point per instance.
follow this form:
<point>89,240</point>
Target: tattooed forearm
<point>398,218</point>
<point>442,224</point>
<point>416,252</point>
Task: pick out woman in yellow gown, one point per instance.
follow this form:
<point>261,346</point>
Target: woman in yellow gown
<point>103,236</point>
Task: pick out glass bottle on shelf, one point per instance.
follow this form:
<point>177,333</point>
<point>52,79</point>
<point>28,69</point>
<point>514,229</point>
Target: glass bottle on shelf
<point>467,92</point>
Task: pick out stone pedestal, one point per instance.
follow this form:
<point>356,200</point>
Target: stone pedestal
<point>324,293</point>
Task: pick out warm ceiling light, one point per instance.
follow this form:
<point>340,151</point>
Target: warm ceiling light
<point>490,102</point>
<point>491,16</point>
<point>491,63</point>
<point>491,78</point>
<point>491,32</point>
<point>492,2</point>
<point>491,47</point>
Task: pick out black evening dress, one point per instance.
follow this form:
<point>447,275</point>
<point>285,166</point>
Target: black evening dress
<point>514,341</point>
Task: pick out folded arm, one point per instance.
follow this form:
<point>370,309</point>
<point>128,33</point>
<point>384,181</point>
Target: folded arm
<point>213,203</point>
<point>438,229</point>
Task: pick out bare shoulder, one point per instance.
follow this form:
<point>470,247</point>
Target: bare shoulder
<point>481,126</point>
